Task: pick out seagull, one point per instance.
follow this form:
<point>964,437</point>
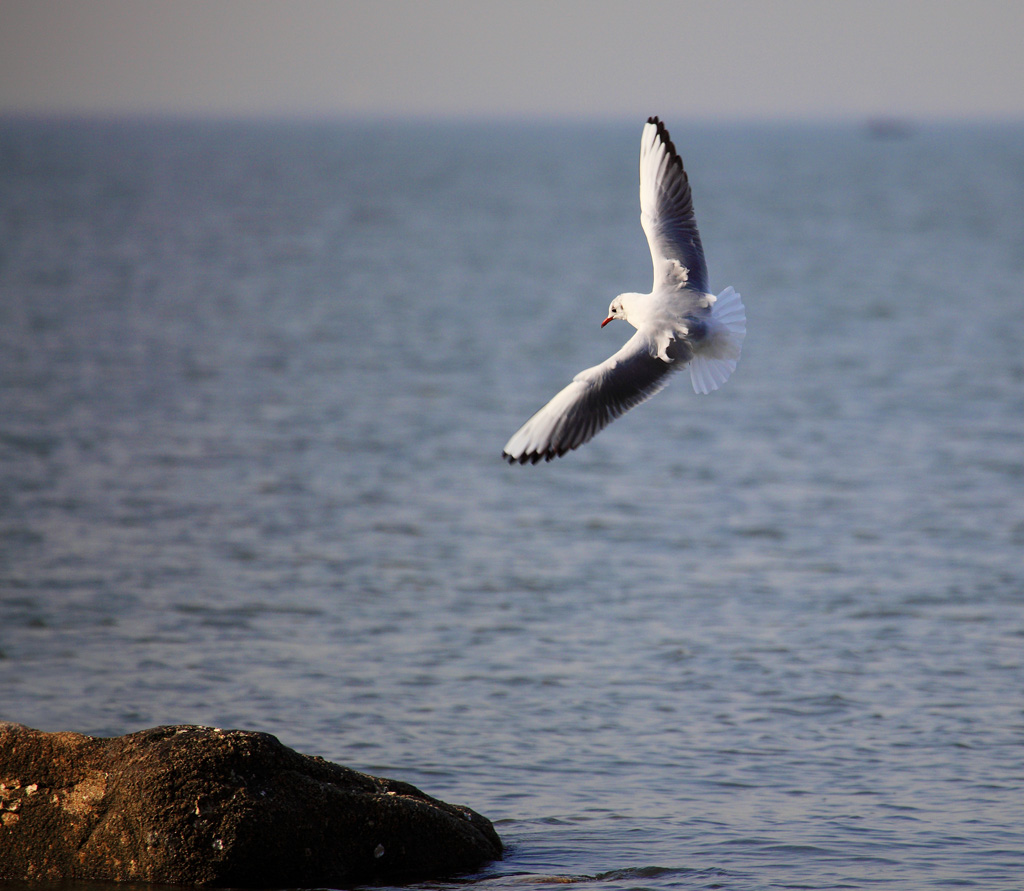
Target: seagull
<point>678,325</point>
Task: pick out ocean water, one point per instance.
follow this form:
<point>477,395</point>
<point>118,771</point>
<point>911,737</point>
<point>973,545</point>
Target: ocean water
<point>254,384</point>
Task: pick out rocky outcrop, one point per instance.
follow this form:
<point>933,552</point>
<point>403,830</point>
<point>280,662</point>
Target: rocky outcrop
<point>200,806</point>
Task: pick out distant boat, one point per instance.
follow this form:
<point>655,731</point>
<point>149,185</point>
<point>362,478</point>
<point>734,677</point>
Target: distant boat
<point>888,127</point>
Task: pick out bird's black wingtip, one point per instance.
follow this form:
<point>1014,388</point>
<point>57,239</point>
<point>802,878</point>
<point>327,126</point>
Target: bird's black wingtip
<point>666,139</point>
<point>525,458</point>
<point>532,457</point>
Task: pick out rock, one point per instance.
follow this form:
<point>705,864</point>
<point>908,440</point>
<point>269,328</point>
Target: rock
<point>199,806</point>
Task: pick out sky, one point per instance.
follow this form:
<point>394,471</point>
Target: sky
<point>579,59</point>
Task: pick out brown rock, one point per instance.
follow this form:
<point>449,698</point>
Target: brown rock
<point>201,806</point>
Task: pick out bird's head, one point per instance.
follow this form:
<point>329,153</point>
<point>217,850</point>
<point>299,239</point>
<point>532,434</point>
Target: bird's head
<point>616,310</point>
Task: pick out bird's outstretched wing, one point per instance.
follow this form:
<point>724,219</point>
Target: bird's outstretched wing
<point>595,398</point>
<point>666,213</point>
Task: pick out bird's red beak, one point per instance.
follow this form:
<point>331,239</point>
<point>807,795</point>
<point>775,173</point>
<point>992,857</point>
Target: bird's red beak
<point>606,321</point>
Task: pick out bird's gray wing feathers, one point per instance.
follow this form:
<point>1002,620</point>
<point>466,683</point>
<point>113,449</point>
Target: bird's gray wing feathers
<point>595,398</point>
<point>666,213</point>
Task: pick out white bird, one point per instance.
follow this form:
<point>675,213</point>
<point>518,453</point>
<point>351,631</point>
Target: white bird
<point>678,324</point>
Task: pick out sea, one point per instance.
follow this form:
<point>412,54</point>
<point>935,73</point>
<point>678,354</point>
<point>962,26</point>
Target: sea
<point>255,380</point>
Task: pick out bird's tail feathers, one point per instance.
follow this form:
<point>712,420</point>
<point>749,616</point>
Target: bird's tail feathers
<point>714,363</point>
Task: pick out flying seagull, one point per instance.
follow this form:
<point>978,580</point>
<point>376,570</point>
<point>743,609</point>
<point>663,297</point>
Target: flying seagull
<point>679,324</point>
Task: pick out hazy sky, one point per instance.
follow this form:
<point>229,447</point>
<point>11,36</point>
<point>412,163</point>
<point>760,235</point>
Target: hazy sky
<point>514,58</point>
